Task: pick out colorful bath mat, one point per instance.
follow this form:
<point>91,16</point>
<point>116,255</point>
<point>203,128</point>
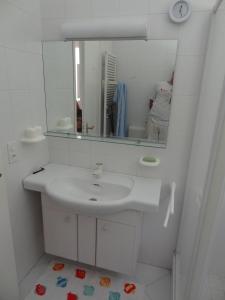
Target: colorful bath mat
<point>74,282</point>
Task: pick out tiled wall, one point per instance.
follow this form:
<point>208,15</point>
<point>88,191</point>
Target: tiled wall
<point>22,105</point>
<point>54,12</point>
<point>157,243</point>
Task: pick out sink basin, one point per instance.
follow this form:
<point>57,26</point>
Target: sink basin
<point>89,194</point>
<point>76,189</point>
<point>88,190</point>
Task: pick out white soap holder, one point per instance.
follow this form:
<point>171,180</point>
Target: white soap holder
<point>33,135</point>
<point>149,161</point>
<point>64,124</point>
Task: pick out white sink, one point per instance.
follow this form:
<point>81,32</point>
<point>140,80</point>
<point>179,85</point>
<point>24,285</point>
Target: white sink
<point>76,188</point>
<point>88,190</point>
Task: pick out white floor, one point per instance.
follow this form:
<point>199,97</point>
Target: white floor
<point>215,288</point>
<point>157,280</point>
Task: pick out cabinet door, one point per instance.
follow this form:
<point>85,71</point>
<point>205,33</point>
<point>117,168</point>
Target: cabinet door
<point>86,239</point>
<point>116,247</point>
<point>60,233</point>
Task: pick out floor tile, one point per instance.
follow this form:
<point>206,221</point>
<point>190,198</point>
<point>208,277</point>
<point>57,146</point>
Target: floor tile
<point>148,274</point>
<point>33,275</point>
<point>160,290</point>
<point>218,295</point>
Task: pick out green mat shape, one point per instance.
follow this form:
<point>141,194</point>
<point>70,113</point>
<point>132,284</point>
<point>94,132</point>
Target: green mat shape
<point>88,290</point>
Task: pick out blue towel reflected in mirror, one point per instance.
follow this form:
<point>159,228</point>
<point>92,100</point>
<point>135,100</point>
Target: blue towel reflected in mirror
<point>120,100</point>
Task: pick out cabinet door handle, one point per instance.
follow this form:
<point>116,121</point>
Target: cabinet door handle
<point>67,219</point>
<point>105,227</point>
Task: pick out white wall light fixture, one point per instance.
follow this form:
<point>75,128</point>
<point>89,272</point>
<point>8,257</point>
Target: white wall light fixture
<point>106,29</point>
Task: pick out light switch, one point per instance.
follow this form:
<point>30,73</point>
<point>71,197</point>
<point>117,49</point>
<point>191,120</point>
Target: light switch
<point>12,152</point>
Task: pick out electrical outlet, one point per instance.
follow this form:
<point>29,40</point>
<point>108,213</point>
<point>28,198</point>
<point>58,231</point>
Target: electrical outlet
<point>12,152</point>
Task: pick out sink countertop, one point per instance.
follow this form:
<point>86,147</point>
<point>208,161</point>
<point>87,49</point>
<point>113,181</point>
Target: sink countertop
<point>144,195</point>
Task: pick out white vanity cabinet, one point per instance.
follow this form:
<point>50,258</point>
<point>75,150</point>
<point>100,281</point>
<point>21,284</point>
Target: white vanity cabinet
<point>106,232</point>
<point>87,240</point>
<point>116,247</point>
<point>109,242</point>
<point>118,241</point>
<point>60,231</point>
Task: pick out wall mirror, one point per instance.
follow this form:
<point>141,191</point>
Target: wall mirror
<point>117,91</point>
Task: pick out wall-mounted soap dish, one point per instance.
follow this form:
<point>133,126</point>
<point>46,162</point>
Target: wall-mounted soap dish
<point>149,161</point>
<point>33,135</point>
<point>64,124</point>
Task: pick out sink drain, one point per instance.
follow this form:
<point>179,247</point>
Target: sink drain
<point>96,184</point>
<point>93,199</point>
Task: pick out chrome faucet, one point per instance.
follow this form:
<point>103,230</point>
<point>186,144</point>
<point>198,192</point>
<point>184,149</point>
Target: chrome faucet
<point>98,170</point>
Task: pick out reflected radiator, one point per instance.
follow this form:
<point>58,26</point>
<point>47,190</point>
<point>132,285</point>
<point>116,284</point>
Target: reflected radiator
<point>109,84</point>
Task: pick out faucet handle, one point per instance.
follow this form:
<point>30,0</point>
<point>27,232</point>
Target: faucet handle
<point>99,164</point>
<point>98,170</point>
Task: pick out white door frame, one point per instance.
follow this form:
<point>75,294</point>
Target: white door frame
<point>202,249</point>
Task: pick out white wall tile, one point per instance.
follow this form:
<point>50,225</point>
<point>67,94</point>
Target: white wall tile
<point>58,150</point>
<point>26,5</point>
<point>133,7</point>
<point>22,105</point>
<point>4,83</point>
<point>53,9</point>
<point>188,74</point>
<point>161,28</point>
<point>200,5</point>
<point>25,215</point>
<point>33,34</point>
<point>80,153</point>
<point>105,8</point>
<point>51,29</point>
<point>78,8</point>
<point>12,24</point>
<point>193,35</point>
<point>115,157</point>
<point>6,119</point>
<point>17,69</point>
<point>160,6</point>
<point>34,46</point>
<point>22,111</point>
<point>183,112</point>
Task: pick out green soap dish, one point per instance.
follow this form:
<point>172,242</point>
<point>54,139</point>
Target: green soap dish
<point>149,161</point>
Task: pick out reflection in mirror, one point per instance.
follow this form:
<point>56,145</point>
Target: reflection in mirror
<point>110,89</point>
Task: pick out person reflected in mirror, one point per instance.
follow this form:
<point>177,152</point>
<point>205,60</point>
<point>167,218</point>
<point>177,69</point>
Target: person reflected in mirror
<point>120,107</point>
<point>79,117</point>
<point>159,111</point>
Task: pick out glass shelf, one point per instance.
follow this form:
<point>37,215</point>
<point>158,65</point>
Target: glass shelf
<point>127,141</point>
